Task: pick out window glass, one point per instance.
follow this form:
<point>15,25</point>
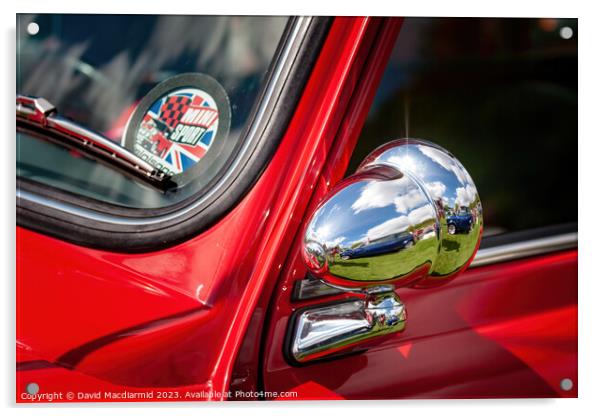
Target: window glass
<point>96,70</point>
<point>501,95</point>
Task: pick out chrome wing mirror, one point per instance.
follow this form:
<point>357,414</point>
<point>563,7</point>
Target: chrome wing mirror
<point>409,216</point>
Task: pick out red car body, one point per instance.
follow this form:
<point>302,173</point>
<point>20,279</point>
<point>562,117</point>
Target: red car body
<point>209,316</point>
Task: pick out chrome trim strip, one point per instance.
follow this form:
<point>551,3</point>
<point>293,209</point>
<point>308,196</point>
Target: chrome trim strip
<point>299,29</point>
<point>309,289</point>
<point>522,249</point>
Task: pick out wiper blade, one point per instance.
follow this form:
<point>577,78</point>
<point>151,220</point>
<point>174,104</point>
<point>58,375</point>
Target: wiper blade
<point>38,112</point>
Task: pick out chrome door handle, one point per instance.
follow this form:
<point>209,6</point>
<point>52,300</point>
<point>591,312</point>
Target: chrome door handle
<point>324,330</point>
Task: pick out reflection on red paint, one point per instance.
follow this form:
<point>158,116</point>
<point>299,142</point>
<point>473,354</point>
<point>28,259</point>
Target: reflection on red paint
<point>546,342</point>
<point>116,131</point>
<point>312,391</point>
<point>405,349</point>
<point>504,330</point>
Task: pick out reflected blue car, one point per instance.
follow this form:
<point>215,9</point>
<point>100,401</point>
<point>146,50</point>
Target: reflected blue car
<point>390,245</point>
<point>459,223</point>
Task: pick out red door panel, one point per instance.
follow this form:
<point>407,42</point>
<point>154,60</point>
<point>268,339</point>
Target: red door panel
<point>504,330</point>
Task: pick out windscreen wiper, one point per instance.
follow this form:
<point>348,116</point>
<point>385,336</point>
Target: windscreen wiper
<point>38,113</point>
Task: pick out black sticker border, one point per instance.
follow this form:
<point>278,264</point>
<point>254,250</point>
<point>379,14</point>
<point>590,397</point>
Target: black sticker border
<point>198,81</point>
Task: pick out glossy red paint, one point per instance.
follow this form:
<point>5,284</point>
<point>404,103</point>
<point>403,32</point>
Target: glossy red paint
<point>175,319</point>
<point>376,50</point>
<point>194,317</point>
<point>506,330</point>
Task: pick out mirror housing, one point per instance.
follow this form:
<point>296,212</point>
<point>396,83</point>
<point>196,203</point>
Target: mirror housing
<point>409,216</point>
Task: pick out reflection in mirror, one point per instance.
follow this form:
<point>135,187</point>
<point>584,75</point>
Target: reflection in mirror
<point>410,214</point>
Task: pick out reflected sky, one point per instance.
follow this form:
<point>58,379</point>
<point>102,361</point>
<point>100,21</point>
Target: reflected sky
<point>445,179</point>
<point>402,202</point>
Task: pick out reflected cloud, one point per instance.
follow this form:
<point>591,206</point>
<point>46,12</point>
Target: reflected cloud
<point>402,223</point>
<point>385,228</point>
<point>466,195</point>
<point>422,214</point>
<point>406,160</point>
<point>409,201</point>
<point>444,161</point>
<point>334,243</point>
<point>377,194</point>
<point>436,189</point>
<point>402,193</point>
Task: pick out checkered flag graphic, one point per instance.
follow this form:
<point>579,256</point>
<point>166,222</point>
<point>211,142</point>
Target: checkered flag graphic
<point>173,109</point>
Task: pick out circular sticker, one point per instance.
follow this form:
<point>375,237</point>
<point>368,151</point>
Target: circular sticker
<point>179,122</point>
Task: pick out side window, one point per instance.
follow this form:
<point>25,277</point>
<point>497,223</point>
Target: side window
<point>501,95</point>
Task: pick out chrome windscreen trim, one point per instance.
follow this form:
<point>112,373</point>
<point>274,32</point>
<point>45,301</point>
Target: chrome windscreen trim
<point>298,31</point>
<point>522,249</point>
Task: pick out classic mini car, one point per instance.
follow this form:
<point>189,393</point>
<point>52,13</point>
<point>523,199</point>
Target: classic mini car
<point>460,223</point>
<point>389,244</point>
<point>230,207</point>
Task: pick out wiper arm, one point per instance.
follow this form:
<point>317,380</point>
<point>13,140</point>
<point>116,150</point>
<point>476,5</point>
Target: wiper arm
<point>40,113</point>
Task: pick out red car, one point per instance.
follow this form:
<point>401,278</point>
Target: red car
<point>212,269</point>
